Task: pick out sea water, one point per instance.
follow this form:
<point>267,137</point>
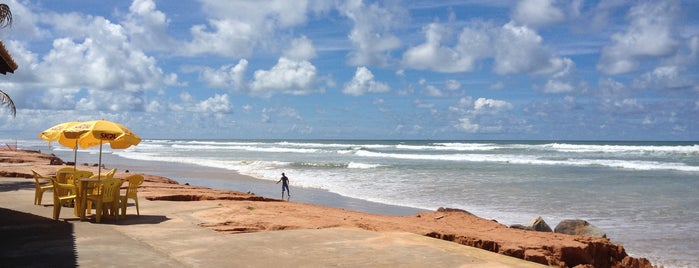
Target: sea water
<point>644,195</point>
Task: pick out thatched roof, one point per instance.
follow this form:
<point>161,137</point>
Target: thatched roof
<point>7,64</point>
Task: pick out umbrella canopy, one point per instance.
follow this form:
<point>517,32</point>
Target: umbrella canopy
<point>98,132</point>
<point>55,133</point>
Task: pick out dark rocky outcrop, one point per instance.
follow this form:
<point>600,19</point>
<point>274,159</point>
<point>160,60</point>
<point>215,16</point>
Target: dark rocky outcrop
<point>579,227</point>
<point>537,224</point>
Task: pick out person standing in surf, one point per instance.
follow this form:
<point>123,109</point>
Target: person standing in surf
<point>285,186</point>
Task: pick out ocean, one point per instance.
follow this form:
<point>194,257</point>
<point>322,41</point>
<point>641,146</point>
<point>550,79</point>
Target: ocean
<point>644,195</point>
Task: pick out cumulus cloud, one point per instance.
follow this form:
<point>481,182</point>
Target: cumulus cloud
<point>466,124</point>
<point>663,77</point>
<point>301,49</point>
<point>433,91</point>
<point>101,59</point>
<point>433,55</point>
<point>474,115</point>
<point>236,28</point>
<point>363,82</point>
<point>371,35</point>
<point>554,86</point>
<point>535,13</point>
<point>216,104</point>
<point>227,77</point>
<point>147,26</point>
<point>483,105</point>
<point>650,34</point>
<point>287,76</point>
<point>514,48</point>
<point>519,49</point>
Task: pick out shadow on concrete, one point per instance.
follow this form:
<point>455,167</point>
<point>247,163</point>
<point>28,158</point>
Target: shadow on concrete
<point>28,240</point>
<point>14,186</point>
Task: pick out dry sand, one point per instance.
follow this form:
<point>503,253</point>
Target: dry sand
<point>239,212</point>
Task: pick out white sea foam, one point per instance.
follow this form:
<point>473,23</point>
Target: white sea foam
<point>362,165</point>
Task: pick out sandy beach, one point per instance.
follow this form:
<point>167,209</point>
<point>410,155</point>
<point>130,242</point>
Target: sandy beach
<point>233,215</point>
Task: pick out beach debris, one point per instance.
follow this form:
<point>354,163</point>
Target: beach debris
<point>579,227</point>
<point>439,217</point>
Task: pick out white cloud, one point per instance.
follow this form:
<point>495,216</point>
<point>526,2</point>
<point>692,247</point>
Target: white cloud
<point>288,76</point>
<point>466,124</point>
<point>371,34</point>
<point>663,77</point>
<point>553,86</point>
<point>433,91</point>
<point>93,58</point>
<point>452,84</point>
<point>650,34</point>
<point>483,105</point>
<point>535,13</point>
<point>519,49</point>
<point>227,77</point>
<point>432,55</point>
<point>301,49</point>
<point>147,26</point>
<point>216,104</point>
<point>225,37</point>
<point>29,24</point>
<point>236,28</point>
<point>363,82</point>
<point>290,112</point>
<point>515,49</point>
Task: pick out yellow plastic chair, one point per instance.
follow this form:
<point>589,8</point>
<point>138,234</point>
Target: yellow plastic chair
<point>76,178</point>
<point>108,195</point>
<point>63,174</point>
<point>41,184</point>
<point>131,193</point>
<point>82,174</point>
<point>109,174</point>
<point>61,195</point>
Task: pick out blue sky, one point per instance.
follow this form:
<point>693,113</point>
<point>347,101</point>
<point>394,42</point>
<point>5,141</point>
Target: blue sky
<point>468,69</point>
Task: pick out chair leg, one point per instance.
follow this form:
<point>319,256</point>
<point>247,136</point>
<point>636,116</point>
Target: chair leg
<point>56,210</point>
<point>135,200</point>
<point>114,209</point>
<point>98,212</point>
<point>122,206</point>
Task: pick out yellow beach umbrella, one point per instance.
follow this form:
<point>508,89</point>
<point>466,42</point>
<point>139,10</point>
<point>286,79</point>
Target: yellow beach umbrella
<point>98,132</point>
<point>55,133</point>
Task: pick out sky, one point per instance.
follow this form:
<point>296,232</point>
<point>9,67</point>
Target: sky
<point>358,69</point>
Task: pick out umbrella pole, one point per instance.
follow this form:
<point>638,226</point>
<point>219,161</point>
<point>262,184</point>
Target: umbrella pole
<point>75,156</point>
<point>99,168</point>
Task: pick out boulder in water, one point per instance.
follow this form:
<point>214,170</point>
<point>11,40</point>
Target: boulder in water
<point>538,224</point>
<point>579,227</point>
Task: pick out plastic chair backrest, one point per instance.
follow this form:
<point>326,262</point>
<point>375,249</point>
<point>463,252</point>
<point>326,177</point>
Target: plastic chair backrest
<point>109,174</point>
<point>38,177</point>
<point>38,181</point>
<point>82,174</point>
<point>62,174</point>
<point>41,184</point>
<point>109,189</point>
<point>134,182</point>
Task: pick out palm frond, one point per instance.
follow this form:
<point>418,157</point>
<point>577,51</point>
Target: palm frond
<point>5,100</point>
<point>5,16</point>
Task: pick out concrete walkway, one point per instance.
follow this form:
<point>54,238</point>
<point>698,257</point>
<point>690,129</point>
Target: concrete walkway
<point>167,235</point>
